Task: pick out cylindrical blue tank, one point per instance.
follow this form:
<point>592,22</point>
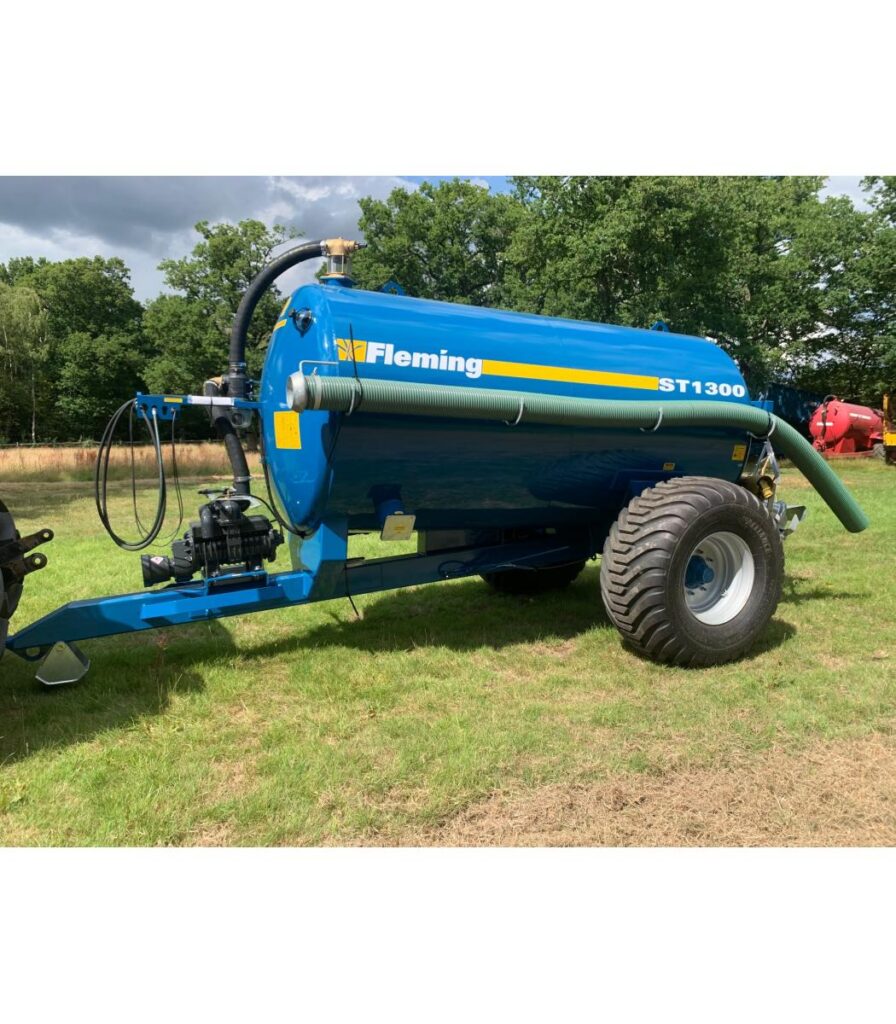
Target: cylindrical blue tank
<point>455,474</point>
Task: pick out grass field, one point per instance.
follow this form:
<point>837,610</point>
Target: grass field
<point>450,714</point>
<point>49,464</point>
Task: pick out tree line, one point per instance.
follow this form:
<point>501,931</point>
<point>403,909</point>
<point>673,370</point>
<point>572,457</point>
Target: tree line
<point>799,289</point>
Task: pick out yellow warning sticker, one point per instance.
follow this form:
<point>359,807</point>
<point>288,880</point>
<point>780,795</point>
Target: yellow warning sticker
<point>174,401</point>
<point>739,453</point>
<point>279,324</point>
<point>286,430</point>
<point>668,467</point>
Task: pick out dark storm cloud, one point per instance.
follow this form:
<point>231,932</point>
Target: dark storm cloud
<point>141,212</point>
<point>146,219</point>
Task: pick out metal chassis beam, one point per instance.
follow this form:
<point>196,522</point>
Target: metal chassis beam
<point>326,573</point>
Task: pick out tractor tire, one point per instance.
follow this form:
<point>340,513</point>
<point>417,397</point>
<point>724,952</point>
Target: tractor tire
<point>692,571</point>
<point>879,451</point>
<point>10,587</point>
<point>529,582</point>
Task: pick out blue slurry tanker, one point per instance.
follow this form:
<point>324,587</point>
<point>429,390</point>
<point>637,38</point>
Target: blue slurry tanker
<point>514,447</point>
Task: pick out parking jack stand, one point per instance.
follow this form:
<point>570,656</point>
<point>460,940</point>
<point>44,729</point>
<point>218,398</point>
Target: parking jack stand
<point>65,664</point>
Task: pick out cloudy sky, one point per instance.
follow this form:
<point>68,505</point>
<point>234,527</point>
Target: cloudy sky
<point>144,220</point>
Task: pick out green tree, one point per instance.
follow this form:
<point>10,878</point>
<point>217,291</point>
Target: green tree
<point>24,354</point>
<point>443,241</point>
<point>88,294</point>
<point>189,331</point>
<point>881,194</point>
<point>91,317</point>
<point>187,348</point>
<point>96,374</point>
<point>855,355</point>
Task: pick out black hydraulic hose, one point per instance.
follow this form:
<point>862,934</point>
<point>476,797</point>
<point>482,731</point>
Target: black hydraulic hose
<point>236,378</point>
<point>101,477</point>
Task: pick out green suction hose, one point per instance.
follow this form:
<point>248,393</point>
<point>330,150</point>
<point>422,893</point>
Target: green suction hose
<point>347,395</point>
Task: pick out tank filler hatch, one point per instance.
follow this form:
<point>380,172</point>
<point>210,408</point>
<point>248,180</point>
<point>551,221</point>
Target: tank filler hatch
<point>339,260</point>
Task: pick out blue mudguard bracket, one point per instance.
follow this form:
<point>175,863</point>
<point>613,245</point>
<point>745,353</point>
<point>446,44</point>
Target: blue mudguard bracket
<point>327,574</point>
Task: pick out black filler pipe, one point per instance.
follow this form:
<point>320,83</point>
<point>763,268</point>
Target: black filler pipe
<point>227,433</point>
<point>236,375</point>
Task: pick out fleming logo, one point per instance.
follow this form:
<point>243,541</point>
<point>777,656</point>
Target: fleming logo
<point>388,355</point>
<point>344,346</point>
<point>384,353</point>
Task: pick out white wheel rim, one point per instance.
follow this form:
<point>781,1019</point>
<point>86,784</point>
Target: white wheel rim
<point>718,578</point>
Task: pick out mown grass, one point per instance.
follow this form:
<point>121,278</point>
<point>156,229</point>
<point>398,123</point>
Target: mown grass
<point>308,726</point>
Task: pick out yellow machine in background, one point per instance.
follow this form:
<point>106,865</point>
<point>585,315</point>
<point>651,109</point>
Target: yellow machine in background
<point>890,428</point>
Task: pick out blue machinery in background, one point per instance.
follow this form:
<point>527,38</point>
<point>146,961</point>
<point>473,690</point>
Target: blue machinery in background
<point>454,450</point>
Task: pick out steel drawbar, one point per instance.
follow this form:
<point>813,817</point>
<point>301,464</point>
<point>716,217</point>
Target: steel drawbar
<point>345,394</point>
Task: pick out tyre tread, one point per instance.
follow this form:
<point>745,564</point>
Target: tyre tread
<point>639,547</point>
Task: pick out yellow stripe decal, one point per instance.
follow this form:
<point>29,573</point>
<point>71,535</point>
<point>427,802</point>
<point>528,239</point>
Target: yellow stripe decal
<point>174,401</point>
<point>286,430</point>
<point>279,324</point>
<point>531,371</point>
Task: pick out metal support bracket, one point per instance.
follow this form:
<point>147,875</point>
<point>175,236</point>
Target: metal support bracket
<point>12,549</point>
<point>788,517</point>
<point>166,407</point>
<point>12,554</point>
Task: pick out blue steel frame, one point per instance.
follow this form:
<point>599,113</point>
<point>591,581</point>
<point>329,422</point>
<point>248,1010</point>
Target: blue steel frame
<point>327,574</point>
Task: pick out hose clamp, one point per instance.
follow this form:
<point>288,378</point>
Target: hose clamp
<point>656,426</point>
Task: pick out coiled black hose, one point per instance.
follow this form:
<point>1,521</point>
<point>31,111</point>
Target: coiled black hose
<point>101,477</point>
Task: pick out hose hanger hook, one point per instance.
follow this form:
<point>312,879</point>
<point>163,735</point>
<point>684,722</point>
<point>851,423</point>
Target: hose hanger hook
<point>770,429</point>
<point>357,396</point>
<point>656,426</point>
<point>519,415</point>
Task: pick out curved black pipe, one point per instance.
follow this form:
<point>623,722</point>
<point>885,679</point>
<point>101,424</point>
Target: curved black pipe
<point>236,377</point>
<point>226,432</point>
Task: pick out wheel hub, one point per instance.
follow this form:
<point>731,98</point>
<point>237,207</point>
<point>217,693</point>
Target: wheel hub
<point>718,578</point>
<point>698,573</point>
